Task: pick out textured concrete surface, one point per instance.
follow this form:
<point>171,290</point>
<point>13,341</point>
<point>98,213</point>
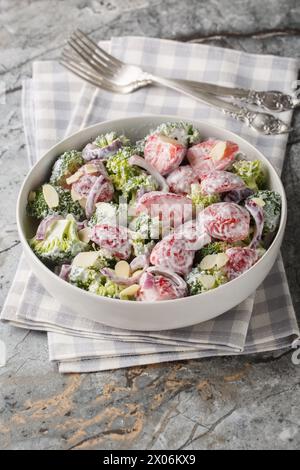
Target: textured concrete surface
<point>250,402</point>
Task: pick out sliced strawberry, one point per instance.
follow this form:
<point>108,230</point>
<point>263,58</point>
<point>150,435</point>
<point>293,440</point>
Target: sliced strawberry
<point>240,259</point>
<point>84,184</point>
<point>172,253</point>
<point>163,153</point>
<point>219,181</point>
<point>225,221</point>
<point>171,207</point>
<point>91,182</point>
<point>181,179</point>
<point>157,287</point>
<point>211,155</point>
<point>193,235</point>
<point>114,240</point>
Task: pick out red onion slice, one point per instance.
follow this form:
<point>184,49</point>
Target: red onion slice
<point>238,195</point>
<point>92,151</point>
<point>139,262</point>
<point>92,196</point>
<point>162,271</point>
<point>65,272</point>
<point>142,163</point>
<point>101,190</point>
<point>81,225</point>
<point>258,215</point>
<point>45,224</point>
<point>148,282</point>
<point>124,281</point>
<point>159,283</point>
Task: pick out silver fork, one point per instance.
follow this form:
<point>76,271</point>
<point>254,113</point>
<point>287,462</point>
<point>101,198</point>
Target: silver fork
<point>87,60</point>
<point>275,101</point>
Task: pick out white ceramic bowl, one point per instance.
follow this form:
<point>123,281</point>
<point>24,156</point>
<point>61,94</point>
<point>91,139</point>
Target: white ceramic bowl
<point>145,315</point>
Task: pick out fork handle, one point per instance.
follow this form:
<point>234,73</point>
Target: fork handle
<point>218,90</point>
<point>188,90</point>
<point>271,100</point>
<point>262,122</point>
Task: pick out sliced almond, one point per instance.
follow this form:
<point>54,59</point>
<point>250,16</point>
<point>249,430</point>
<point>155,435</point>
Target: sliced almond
<point>259,201</point>
<point>168,140</point>
<point>31,196</point>
<point>91,168</point>
<point>50,195</point>
<point>217,151</point>
<point>208,262</point>
<point>85,259</point>
<point>130,291</point>
<point>137,273</point>
<point>221,260</point>
<point>122,269</point>
<point>85,234</point>
<point>75,177</point>
<point>207,281</point>
<point>75,196</point>
<point>82,202</point>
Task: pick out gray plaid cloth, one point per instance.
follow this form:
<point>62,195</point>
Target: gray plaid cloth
<point>55,104</point>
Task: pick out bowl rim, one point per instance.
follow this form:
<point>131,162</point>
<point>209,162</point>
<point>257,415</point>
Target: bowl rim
<point>110,122</point>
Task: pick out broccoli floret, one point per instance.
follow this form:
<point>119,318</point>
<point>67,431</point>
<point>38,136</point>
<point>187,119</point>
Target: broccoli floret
<point>128,179</point>
<point>199,281</point>
<point>201,200</point>
<point>67,164</point>
<point>271,209</point>
<point>260,250</point>
<point>37,206</point>
<point>214,248</point>
<point>120,170</point>
<point>185,133</point>
<point>106,212</point>
<point>104,140</point>
<point>141,225</point>
<point>83,277</point>
<point>106,288</point>
<point>144,229</point>
<point>251,172</point>
<point>61,242</point>
<point>135,183</point>
<point>142,248</point>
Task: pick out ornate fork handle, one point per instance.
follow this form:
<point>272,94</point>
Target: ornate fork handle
<point>262,122</point>
<point>275,101</point>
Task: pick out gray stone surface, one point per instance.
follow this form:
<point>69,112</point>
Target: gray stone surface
<point>249,402</point>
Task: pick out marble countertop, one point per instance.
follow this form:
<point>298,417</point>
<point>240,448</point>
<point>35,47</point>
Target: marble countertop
<point>221,403</point>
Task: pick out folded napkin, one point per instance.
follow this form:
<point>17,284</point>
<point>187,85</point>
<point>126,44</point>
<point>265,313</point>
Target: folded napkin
<point>55,104</point>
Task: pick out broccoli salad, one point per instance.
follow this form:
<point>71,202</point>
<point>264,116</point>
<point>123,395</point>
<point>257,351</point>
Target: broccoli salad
<point>166,217</point>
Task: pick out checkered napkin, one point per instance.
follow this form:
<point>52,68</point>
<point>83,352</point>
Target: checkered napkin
<point>55,104</point>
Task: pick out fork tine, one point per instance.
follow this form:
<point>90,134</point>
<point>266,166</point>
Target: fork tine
<point>91,57</point>
<point>87,49</point>
<point>88,58</point>
<point>72,56</point>
<point>111,58</point>
<point>88,70</point>
<point>85,75</point>
<point>95,54</point>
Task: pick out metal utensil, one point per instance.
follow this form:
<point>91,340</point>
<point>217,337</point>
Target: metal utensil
<point>87,60</point>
